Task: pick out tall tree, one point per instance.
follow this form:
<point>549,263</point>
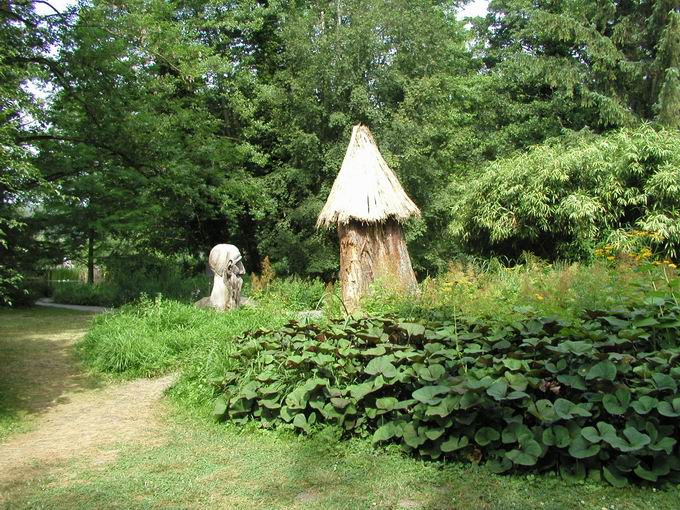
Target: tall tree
<point>345,62</point>
<point>25,40</point>
<point>558,65</point>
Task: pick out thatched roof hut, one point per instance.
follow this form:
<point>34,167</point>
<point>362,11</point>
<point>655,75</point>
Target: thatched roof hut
<point>368,205</point>
<point>366,189</point>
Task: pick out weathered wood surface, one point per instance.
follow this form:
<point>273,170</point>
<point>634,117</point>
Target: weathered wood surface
<point>369,252</point>
<point>226,292</point>
<point>225,262</point>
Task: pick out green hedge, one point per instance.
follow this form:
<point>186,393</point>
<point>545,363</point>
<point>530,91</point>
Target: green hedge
<point>591,397</point>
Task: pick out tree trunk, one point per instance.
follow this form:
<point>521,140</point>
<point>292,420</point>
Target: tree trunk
<point>90,257</point>
<point>371,252</point>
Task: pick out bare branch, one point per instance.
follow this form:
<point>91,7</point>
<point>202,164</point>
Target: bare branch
<point>48,5</point>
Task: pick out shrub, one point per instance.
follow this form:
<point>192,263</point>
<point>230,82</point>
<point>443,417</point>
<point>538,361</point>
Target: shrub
<point>74,293</point>
<point>560,198</point>
<point>592,396</point>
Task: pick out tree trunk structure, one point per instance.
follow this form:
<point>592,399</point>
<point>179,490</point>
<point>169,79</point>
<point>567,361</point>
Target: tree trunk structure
<point>370,252</point>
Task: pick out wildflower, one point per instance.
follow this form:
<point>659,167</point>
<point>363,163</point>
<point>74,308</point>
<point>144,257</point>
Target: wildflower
<point>539,297</point>
<point>610,257</point>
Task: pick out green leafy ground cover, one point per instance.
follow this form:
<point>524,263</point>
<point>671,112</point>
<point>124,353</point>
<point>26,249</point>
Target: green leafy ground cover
<point>592,397</point>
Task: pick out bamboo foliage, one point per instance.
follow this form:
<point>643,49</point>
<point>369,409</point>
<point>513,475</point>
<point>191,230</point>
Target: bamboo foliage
<point>559,198</point>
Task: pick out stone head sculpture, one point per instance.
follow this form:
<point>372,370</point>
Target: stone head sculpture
<point>227,266</point>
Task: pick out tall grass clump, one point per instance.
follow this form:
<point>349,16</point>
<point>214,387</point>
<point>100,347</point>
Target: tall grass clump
<point>155,336</point>
<point>534,287</point>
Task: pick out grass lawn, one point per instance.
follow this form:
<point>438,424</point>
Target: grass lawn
<point>194,463</point>
<point>201,465</point>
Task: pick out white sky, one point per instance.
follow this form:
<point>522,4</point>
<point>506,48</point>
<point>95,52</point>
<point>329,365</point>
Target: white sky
<point>59,5</point>
<point>474,8</point>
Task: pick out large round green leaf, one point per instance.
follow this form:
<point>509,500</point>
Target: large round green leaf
<point>644,404</point>
<point>526,456</point>
<point>605,370</point>
<point>487,435</point>
<point>618,402</point>
<point>669,408</point>
<point>430,394</point>
<point>583,449</point>
<point>454,443</point>
<point>382,365</point>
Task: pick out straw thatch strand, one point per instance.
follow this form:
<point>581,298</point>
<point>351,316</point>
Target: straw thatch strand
<point>366,189</point>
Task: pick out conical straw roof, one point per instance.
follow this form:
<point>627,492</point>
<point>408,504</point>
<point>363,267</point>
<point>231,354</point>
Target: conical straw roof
<point>366,189</point>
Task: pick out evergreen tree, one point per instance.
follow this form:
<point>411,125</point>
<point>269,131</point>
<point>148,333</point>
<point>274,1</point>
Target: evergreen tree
<point>575,64</point>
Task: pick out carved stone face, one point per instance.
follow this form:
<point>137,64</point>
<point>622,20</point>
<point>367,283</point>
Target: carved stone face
<point>236,265</point>
<point>225,260</point>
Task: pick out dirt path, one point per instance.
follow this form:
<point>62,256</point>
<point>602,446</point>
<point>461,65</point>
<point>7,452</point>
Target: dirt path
<point>78,308</point>
<point>70,414</point>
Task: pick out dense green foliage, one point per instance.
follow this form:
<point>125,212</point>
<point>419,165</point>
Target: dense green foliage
<point>564,197</point>
<point>572,64</point>
<point>518,342</point>
<point>229,123</point>
<point>23,41</point>
<point>597,395</point>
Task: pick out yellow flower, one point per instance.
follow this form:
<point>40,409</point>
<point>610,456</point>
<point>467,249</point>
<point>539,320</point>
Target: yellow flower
<point>539,297</point>
<point>672,265</point>
<point>610,258</point>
